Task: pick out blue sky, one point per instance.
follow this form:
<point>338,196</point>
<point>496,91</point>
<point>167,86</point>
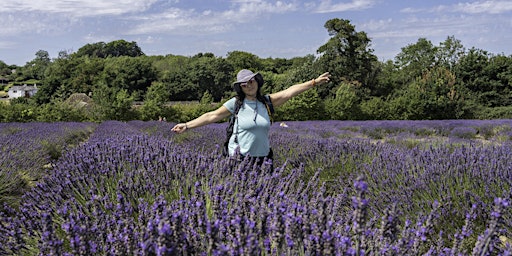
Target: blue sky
<point>278,29</point>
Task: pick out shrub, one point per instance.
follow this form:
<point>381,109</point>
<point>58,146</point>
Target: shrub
<point>463,133</point>
<point>188,111</point>
<point>488,113</point>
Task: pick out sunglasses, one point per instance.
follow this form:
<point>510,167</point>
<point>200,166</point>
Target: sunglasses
<point>245,84</point>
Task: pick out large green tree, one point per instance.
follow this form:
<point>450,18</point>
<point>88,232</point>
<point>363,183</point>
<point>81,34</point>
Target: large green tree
<point>85,74</point>
<point>156,97</point>
<point>388,80</point>
<point>344,106</point>
<point>212,75</point>
<point>174,73</point>
<point>347,55</point>
<point>58,75</point>
<point>488,77</point>
<point>414,59</point>
<point>112,103</point>
<point>5,71</point>
<point>112,49</point>
<point>134,74</point>
<point>34,69</point>
<point>244,60</point>
<point>305,106</point>
<point>434,95</point>
<point>66,76</point>
<point>449,52</point>
<point>302,71</point>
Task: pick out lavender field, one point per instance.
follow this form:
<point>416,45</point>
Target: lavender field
<point>338,188</point>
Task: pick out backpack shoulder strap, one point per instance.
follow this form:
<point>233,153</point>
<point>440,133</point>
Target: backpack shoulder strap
<point>268,102</point>
<point>270,107</point>
<point>229,129</point>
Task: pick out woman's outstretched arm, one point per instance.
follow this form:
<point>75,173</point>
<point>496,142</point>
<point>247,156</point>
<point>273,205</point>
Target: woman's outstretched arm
<point>279,98</point>
<point>206,118</point>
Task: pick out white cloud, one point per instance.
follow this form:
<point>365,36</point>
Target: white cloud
<point>492,7</point>
<point>462,19</point>
<point>326,6</point>
<point>93,38</point>
<point>481,24</point>
<point>54,16</point>
<point>14,24</point>
<point>410,10</point>
<point>76,8</point>
<point>148,40</point>
<point>377,25</point>
<point>7,44</point>
<point>489,7</point>
<point>427,27</point>
<point>180,21</point>
<point>260,6</point>
<point>140,16</point>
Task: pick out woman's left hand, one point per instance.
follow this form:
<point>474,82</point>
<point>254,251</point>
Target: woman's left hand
<point>322,79</point>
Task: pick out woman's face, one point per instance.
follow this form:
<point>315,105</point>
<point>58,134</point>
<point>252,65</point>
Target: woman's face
<point>250,88</point>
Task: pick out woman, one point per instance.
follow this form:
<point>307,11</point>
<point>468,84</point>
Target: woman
<point>252,121</point>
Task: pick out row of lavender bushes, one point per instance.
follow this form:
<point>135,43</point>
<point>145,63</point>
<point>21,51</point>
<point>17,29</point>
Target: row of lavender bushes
<point>27,151</point>
<point>338,188</point>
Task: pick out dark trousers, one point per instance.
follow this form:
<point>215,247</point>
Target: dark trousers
<point>261,160</point>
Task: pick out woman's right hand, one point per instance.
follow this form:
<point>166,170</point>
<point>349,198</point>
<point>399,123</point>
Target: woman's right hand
<point>179,128</point>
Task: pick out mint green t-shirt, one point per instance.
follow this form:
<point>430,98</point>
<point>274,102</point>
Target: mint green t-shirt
<point>252,125</point>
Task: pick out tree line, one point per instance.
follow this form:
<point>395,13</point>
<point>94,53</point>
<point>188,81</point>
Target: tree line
<point>117,81</point>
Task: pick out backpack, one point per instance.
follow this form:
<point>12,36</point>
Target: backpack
<point>229,129</point>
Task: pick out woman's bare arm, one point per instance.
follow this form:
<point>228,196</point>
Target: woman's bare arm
<point>206,118</point>
<point>279,98</point>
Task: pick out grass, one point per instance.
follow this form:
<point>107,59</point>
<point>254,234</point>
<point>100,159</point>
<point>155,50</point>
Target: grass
<point>12,186</point>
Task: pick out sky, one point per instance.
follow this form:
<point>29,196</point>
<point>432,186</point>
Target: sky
<point>276,29</point>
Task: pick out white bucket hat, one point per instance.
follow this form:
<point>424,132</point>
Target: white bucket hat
<point>245,75</point>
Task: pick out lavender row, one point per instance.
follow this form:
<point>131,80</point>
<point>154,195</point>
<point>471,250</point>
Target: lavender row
<point>26,144</point>
<point>493,130</point>
<point>27,150</point>
<point>134,188</point>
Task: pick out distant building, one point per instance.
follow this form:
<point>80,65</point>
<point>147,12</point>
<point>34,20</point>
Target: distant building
<point>22,91</point>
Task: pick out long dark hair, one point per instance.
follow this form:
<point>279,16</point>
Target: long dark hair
<point>240,95</point>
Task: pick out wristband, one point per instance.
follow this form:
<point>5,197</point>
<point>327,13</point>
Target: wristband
<point>313,82</point>
<point>186,126</point>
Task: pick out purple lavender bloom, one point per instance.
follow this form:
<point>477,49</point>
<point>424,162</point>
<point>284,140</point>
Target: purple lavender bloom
<point>360,185</point>
<point>136,189</point>
<point>501,201</point>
